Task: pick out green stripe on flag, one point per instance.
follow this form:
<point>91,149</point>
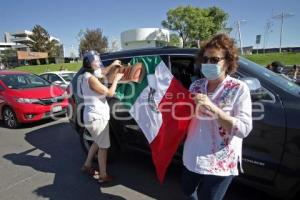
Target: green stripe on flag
<point>125,90</point>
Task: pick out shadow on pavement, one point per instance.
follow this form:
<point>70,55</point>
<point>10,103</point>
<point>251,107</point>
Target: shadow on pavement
<point>61,155</point>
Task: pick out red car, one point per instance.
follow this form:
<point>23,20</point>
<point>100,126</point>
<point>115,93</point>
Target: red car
<point>26,97</point>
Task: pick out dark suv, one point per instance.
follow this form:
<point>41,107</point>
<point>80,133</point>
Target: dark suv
<point>271,153</point>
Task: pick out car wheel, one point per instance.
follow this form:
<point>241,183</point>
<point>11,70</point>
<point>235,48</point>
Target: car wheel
<point>9,117</point>
<point>86,142</point>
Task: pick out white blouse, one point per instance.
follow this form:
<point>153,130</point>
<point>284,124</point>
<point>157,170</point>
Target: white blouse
<point>208,148</point>
<point>95,105</point>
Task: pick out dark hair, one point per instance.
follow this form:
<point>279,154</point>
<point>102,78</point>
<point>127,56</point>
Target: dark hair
<point>295,67</point>
<point>222,42</point>
<point>87,60</point>
<point>87,65</point>
<point>277,67</point>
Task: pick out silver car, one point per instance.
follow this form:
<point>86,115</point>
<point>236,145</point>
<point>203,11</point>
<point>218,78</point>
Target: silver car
<point>61,78</point>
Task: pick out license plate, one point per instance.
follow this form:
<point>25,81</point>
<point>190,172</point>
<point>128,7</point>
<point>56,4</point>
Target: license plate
<point>56,109</point>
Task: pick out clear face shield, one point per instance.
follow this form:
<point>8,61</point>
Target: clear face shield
<point>97,65</point>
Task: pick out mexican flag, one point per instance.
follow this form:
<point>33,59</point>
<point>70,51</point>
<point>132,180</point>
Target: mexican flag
<point>162,108</point>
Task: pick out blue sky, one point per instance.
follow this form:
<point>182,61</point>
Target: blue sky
<point>64,19</point>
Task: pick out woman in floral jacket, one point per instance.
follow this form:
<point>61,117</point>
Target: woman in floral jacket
<point>223,117</point>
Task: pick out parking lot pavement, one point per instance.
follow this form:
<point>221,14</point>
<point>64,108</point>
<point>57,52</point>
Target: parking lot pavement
<point>42,161</point>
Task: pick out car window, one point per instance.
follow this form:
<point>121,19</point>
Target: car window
<point>45,76</point>
<point>268,75</point>
<point>67,76</point>
<point>53,78</point>
<point>23,81</point>
<point>166,60</point>
<point>182,68</point>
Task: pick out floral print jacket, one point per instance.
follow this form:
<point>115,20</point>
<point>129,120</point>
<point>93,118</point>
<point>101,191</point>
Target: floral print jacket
<point>209,149</point>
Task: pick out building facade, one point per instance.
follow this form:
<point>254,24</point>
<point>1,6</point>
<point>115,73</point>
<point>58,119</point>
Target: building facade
<point>144,38</point>
<point>18,41</point>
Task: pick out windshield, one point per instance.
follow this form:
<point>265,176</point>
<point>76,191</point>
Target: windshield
<point>279,80</point>
<point>23,81</point>
<point>68,76</point>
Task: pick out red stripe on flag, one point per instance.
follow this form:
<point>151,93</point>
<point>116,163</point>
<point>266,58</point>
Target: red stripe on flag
<point>172,131</point>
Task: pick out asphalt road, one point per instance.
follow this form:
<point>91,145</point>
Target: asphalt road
<point>42,161</point>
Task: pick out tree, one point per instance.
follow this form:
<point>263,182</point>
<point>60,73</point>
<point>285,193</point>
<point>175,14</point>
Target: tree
<point>218,17</point>
<point>92,39</point>
<point>53,48</point>
<point>41,42</point>
<point>7,56</point>
<point>175,40</point>
<point>39,39</point>
<point>193,23</point>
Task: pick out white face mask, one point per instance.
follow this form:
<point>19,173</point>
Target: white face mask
<point>211,71</point>
<point>98,73</point>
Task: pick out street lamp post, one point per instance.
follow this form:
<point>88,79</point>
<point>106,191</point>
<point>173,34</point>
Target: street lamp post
<point>240,35</point>
<point>281,17</point>
<point>269,25</point>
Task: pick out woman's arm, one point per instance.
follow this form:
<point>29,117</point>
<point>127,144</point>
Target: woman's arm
<point>295,73</point>
<point>98,87</point>
<point>225,120</point>
<point>107,69</point>
<point>242,114</point>
<point>240,123</point>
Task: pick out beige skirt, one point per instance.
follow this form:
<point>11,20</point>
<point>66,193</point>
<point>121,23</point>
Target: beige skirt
<point>99,130</point>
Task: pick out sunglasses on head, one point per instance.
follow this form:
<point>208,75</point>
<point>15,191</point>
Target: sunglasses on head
<point>212,60</point>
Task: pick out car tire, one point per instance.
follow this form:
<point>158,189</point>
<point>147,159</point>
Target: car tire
<point>10,119</point>
<point>86,142</point>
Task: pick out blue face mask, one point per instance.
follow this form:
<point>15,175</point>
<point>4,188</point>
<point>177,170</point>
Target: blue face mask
<point>211,71</point>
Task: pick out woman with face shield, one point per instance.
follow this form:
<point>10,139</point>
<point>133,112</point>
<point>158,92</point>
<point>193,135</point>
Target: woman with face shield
<point>96,112</point>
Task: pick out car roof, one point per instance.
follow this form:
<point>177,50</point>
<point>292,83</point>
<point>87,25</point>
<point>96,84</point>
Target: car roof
<point>9,72</point>
<point>149,51</point>
<point>58,72</point>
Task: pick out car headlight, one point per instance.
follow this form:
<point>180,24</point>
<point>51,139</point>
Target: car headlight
<point>26,100</point>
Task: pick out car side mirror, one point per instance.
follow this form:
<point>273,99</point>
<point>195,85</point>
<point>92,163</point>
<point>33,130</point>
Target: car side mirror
<point>252,83</point>
<point>255,88</point>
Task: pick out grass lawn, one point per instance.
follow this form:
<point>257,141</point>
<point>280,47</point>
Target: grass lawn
<point>262,59</point>
<point>284,58</point>
<point>38,69</point>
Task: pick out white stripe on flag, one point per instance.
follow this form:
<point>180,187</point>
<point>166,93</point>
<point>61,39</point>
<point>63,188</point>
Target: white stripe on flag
<point>147,119</point>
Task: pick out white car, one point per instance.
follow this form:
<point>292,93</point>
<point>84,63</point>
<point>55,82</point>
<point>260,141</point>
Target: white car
<point>61,78</point>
